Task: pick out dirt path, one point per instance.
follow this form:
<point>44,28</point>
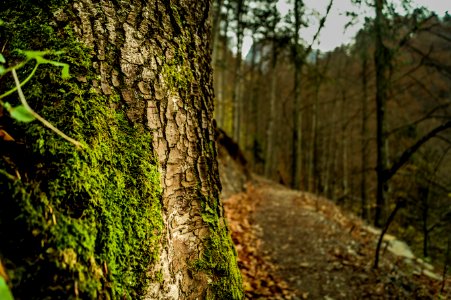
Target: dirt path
<point>304,247</point>
<point>313,253</point>
<point>302,243</point>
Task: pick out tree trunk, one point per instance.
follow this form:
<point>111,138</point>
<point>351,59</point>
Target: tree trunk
<point>216,29</point>
<point>259,144</point>
<point>236,99</point>
<point>314,168</point>
<point>296,151</point>
<point>216,60</point>
<point>329,175</point>
<point>381,65</point>
<point>424,199</point>
<point>222,92</point>
<point>364,140</point>
<point>108,222</point>
<point>344,150</point>
<point>313,164</point>
<point>251,126</point>
<point>313,157</point>
<point>270,140</point>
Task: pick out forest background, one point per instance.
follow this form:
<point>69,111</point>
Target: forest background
<point>364,124</point>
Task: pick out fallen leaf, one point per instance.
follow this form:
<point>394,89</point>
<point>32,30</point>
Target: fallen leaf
<point>6,136</point>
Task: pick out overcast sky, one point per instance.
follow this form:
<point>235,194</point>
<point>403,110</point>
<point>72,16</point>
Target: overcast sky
<point>334,33</point>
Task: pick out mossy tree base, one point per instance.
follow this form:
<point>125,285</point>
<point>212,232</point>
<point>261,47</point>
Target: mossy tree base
<point>74,223</point>
<point>138,208</point>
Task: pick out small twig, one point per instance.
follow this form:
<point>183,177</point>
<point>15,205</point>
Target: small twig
<point>399,204</point>
<point>37,116</point>
<point>9,92</point>
<point>9,176</point>
<point>4,46</point>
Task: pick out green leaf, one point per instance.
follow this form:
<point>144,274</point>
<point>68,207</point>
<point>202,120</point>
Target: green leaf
<point>29,54</point>
<point>39,57</point>
<point>65,68</point>
<point>2,59</point>
<point>5,293</point>
<point>7,106</point>
<point>2,70</point>
<point>65,72</point>
<point>21,114</point>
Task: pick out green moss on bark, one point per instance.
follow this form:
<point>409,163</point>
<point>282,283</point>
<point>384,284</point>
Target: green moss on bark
<point>219,257</point>
<point>79,222</point>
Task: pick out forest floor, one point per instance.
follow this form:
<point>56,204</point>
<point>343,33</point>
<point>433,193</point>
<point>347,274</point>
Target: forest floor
<point>295,245</point>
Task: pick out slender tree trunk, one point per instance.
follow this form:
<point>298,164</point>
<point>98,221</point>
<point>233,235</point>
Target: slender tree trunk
<point>331,155</point>
<point>259,145</point>
<point>296,152</point>
<point>223,71</point>
<point>314,140</point>
<point>236,98</point>
<point>150,61</point>
<point>390,219</point>
<point>327,160</point>
<point>314,157</point>
<point>216,30</point>
<point>270,140</point>
<point>319,156</point>
<point>297,132</point>
<point>335,160</point>
<point>364,140</point>
<point>216,60</point>
<point>344,150</point>
<point>251,132</point>
<point>381,66</point>
<point>424,198</point>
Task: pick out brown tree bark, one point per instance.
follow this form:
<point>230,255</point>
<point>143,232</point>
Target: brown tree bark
<point>172,73</point>
<point>155,55</point>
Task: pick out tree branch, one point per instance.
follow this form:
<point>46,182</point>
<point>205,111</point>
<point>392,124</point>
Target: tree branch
<point>322,22</point>
<point>428,115</point>
<point>411,150</point>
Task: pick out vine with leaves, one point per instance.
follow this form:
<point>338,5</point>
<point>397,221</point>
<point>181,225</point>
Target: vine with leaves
<point>23,112</point>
